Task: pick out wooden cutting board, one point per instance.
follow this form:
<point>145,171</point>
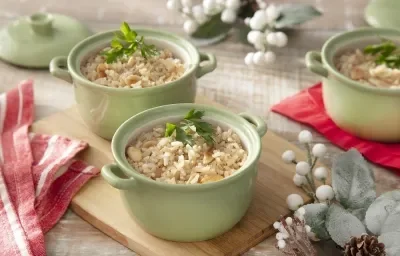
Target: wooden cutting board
<point>99,204</point>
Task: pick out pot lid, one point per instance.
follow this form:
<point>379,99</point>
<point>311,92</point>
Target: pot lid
<point>33,41</point>
<point>383,13</point>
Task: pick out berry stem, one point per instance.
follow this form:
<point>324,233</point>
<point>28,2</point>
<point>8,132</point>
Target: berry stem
<point>310,162</point>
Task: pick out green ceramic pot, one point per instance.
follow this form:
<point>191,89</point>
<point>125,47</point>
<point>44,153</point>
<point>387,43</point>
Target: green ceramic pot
<point>180,212</point>
<point>365,111</point>
<point>104,109</point>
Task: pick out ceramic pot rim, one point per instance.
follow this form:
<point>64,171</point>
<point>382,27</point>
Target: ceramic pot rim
<point>346,36</point>
<point>254,142</point>
<point>159,35</point>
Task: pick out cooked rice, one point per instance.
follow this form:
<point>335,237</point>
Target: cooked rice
<point>362,68</point>
<point>134,71</point>
<point>166,160</point>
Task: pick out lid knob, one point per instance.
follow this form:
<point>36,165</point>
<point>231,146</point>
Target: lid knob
<point>41,23</point>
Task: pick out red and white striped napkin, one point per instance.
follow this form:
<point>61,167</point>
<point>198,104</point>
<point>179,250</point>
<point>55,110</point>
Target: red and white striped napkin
<point>38,176</point>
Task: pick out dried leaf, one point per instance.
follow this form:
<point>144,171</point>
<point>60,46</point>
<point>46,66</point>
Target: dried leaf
<point>315,218</point>
<point>392,243</point>
<point>353,182</point>
<point>342,225</point>
<point>380,210</point>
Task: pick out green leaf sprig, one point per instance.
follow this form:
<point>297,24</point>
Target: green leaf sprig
<point>184,129</point>
<point>387,53</point>
<point>125,43</point>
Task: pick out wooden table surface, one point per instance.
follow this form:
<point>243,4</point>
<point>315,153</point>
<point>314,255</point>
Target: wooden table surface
<point>232,84</point>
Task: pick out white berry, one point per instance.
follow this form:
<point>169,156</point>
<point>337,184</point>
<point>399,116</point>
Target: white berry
<point>308,228</point>
<point>228,16</point>
<point>281,244</point>
<point>324,192</point>
<point>288,156</point>
<point>232,4</point>
<point>271,38</point>
<point>305,137</point>
<point>210,7</point>
<point>190,26</point>
<point>281,236</point>
<point>277,225</point>
<point>187,3</point>
<point>209,4</point>
<point>198,14</point>
<point>302,168</point>
<point>301,211</point>
<point>262,5</point>
<point>321,173</point>
<point>258,58</point>
<point>299,180</point>
<point>319,150</point>
<point>256,23</point>
<point>294,202</point>
<point>289,221</point>
<point>281,39</point>
<point>269,57</point>
<point>255,37</point>
<point>248,60</point>
<point>173,5</point>
<point>272,13</point>
<point>247,21</point>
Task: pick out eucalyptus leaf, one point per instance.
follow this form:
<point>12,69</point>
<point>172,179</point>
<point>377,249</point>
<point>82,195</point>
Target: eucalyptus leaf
<point>391,241</point>
<point>379,211</point>
<point>392,223</point>
<point>294,14</point>
<point>212,28</point>
<point>353,182</point>
<point>342,225</point>
<point>241,33</point>
<point>315,218</point>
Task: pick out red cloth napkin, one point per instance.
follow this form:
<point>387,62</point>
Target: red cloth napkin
<point>38,176</point>
<point>307,107</point>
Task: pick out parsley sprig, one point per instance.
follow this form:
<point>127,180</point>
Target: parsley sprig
<point>125,43</point>
<point>387,53</point>
<point>184,130</point>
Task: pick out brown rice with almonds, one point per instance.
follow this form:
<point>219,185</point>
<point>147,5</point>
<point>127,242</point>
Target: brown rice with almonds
<point>362,68</point>
<point>134,71</point>
<point>166,160</point>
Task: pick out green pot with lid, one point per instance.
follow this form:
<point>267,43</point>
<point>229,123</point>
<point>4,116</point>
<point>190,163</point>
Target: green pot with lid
<point>34,40</point>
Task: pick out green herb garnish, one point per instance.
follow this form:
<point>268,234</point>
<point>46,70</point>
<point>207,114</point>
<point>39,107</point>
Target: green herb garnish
<point>184,129</point>
<point>386,52</point>
<point>125,43</point>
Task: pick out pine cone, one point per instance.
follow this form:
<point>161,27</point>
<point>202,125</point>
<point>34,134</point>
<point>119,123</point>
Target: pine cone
<point>365,245</point>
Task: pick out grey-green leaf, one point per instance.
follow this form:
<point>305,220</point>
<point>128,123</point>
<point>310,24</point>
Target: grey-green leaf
<point>315,218</point>
<point>342,225</point>
<point>392,223</point>
<point>392,243</point>
<point>212,28</point>
<point>353,182</point>
<point>380,210</point>
<point>294,14</point>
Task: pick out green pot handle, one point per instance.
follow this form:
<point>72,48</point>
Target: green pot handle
<point>58,68</point>
<point>208,67</point>
<point>108,173</point>
<point>314,63</point>
<point>258,122</point>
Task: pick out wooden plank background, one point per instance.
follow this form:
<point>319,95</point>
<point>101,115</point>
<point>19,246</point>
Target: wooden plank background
<point>231,84</point>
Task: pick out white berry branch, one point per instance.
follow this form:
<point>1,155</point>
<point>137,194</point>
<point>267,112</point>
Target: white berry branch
<point>306,173</point>
<point>197,15</point>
